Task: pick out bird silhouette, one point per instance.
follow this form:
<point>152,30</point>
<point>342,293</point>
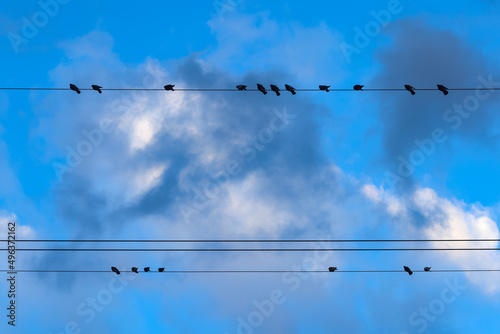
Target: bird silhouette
<point>408,270</point>
<point>73,87</point>
<point>427,269</point>
<point>323,87</point>
<point>97,88</point>
<point>290,89</point>
<point>358,87</point>
<point>242,87</point>
<point>275,89</point>
<point>410,89</point>
<point>161,270</point>
<point>443,89</point>
<point>332,269</point>
<point>262,89</point>
<point>134,269</point>
<point>115,270</point>
<point>146,269</point>
<point>169,87</point>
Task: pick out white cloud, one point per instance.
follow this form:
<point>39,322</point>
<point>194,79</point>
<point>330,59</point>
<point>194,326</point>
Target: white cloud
<point>446,219</point>
<point>377,195</point>
<point>255,41</point>
<point>21,231</point>
<point>251,210</point>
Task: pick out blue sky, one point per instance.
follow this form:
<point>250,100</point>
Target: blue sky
<point>197,165</point>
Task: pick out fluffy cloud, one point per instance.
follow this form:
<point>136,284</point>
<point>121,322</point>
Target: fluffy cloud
<point>440,218</point>
<point>243,165</point>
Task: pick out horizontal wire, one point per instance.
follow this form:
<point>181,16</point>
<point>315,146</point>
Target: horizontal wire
<point>250,240</point>
<point>250,271</point>
<point>249,90</point>
<point>245,249</point>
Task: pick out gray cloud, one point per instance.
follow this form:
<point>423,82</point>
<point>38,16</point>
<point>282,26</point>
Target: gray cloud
<point>233,121</point>
<point>423,56</point>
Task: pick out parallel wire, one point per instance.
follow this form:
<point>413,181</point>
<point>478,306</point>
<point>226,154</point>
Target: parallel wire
<point>250,271</point>
<point>245,249</point>
<point>248,240</point>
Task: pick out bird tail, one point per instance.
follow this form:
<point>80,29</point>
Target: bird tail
<point>264,92</point>
<point>445,92</point>
<point>412,92</point>
<point>78,92</point>
<point>277,93</point>
<point>293,92</point>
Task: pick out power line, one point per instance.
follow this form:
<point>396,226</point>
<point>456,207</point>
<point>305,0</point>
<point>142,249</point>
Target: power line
<point>246,249</point>
<point>250,271</point>
<point>248,240</point>
<point>248,90</point>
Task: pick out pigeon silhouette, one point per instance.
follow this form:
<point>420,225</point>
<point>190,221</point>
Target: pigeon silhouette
<point>323,87</point>
<point>262,89</point>
<point>443,89</point>
<point>358,87</point>
<point>97,88</point>
<point>73,87</point>
<point>146,269</point>
<point>115,270</point>
<point>134,269</point>
<point>242,87</point>
<point>161,270</point>
<point>408,270</point>
<point>169,87</point>
<point>410,89</point>
<point>427,269</point>
<point>290,89</point>
<point>332,269</point>
<point>275,89</point>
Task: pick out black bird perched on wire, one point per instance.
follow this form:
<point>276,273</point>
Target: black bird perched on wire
<point>443,89</point>
<point>323,87</point>
<point>134,269</point>
<point>427,269</point>
<point>262,89</point>
<point>73,87</point>
<point>408,270</point>
<point>410,89</point>
<point>242,87</point>
<point>161,270</point>
<point>358,87</point>
<point>290,89</point>
<point>275,89</point>
<point>97,88</point>
<point>169,87</point>
<point>115,270</point>
<point>332,269</point>
<point>146,269</point>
